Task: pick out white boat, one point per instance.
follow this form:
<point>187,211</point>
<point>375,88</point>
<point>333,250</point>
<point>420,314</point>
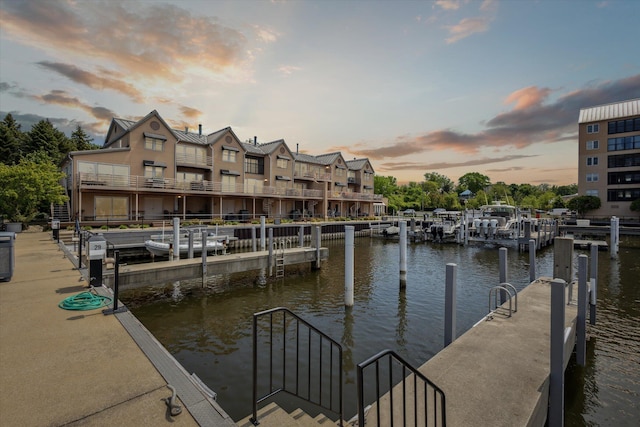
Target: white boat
<point>445,227</point>
<point>496,223</point>
<point>162,246</point>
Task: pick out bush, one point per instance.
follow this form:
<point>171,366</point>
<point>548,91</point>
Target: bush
<point>104,227</point>
<point>123,227</point>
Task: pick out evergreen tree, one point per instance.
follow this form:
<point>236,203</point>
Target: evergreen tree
<point>11,141</point>
<point>81,141</point>
<point>46,138</point>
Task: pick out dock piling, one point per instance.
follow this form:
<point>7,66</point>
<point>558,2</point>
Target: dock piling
<point>615,236</point>
<point>593,292</point>
<point>581,326</point>
<point>532,260</point>
<point>556,370</point>
<point>176,238</point>
<point>204,260</point>
<point>348,264</point>
<point>502,258</point>
<point>254,243</point>
<point>190,239</point>
<point>263,226</point>
<point>403,254</point>
<point>450,304</point>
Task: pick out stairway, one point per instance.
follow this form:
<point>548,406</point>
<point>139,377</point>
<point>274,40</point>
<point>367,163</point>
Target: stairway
<point>274,416</point>
<point>61,212</point>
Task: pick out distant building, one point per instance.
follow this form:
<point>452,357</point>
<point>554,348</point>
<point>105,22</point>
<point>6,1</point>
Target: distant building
<point>147,171</point>
<point>609,156</point>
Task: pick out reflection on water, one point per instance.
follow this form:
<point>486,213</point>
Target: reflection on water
<point>209,331</point>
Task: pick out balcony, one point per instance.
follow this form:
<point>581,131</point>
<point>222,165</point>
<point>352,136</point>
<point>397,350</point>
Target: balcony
<point>191,160</point>
<point>133,183</point>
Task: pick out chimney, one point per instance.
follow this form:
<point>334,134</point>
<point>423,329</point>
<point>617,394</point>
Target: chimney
<point>296,148</point>
<point>255,140</point>
<point>200,129</point>
<point>186,129</point>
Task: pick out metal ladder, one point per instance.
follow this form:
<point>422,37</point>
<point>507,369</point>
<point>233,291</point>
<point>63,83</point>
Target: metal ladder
<point>280,260</point>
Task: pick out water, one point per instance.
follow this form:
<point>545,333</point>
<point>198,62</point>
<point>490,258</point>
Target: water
<point>209,332</point>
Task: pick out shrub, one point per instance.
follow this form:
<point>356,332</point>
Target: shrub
<point>123,227</point>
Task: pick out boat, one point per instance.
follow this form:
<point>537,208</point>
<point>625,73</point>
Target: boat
<point>496,222</point>
<point>162,245</point>
<point>444,228</point>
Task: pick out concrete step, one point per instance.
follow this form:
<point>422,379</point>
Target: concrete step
<point>274,416</point>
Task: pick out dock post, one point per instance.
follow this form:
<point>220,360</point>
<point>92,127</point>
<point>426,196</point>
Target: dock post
<point>190,237</point>
<point>270,259</point>
<point>254,243</point>
<point>581,325</point>
<point>450,304</point>
<point>403,254</point>
<point>502,258</point>
<point>318,240</point>
<point>615,236</point>
<point>348,264</point>
<point>263,236</point>
<point>556,369</point>
<point>532,260</point>
<point>176,238</point>
<point>204,259</point>
<point>594,284</point>
<point>301,237</point>
<point>563,258</point>
<point>80,243</point>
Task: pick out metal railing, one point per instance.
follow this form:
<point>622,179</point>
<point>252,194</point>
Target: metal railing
<point>421,401</point>
<point>301,359</point>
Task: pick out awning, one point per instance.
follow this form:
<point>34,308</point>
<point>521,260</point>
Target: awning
<point>341,167</point>
<point>283,178</point>
<point>340,184</point>
<point>284,157</point>
<point>154,163</point>
<point>155,136</point>
<point>230,148</point>
<point>228,172</point>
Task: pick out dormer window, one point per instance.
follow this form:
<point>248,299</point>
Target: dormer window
<point>154,142</point>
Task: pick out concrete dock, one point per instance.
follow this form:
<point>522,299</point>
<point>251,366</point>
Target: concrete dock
<point>60,367</point>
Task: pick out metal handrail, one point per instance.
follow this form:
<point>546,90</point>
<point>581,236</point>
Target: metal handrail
<point>437,409</point>
<point>287,376</point>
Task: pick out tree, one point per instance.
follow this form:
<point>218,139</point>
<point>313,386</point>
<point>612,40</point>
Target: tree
<point>11,141</point>
<point>385,185</point>
<point>583,204</point>
<point>444,183</point>
<point>28,185</point>
<point>44,137</point>
<point>474,182</point>
<point>635,205</point>
<point>80,141</point>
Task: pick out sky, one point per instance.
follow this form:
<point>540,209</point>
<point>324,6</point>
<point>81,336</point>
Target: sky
<point>447,86</point>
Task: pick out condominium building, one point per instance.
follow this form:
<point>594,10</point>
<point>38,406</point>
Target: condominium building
<point>146,170</point>
<point>609,156</point>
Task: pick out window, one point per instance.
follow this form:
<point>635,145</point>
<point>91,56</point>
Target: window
<point>189,176</point>
<point>153,171</point>
<point>623,178</point>
<point>253,186</point>
<point>154,144</point>
<point>592,161</point>
<point>367,176</point>
<point>593,145</point>
<point>624,161</point>
<point>623,143</point>
<point>628,195</point>
<point>229,156</point>
<point>254,165</point>
<point>106,173</point>
<point>111,207</point>
<point>339,171</point>
<point>595,128</point>
<point>282,163</point>
<point>622,126</point>
<point>592,177</point>
<point>191,154</point>
<point>229,182</point>
<point>592,193</point>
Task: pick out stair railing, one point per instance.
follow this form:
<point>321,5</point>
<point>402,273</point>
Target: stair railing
<point>421,401</point>
<point>300,361</point>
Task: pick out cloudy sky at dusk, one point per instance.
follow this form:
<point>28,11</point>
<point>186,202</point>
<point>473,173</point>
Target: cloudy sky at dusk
<point>449,86</point>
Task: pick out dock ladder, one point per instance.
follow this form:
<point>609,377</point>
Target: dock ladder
<point>280,260</point>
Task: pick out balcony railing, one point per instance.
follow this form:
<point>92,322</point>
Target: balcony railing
<point>186,159</point>
<point>170,185</point>
<point>312,176</point>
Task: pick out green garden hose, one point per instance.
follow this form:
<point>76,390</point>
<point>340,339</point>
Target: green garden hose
<point>84,301</point>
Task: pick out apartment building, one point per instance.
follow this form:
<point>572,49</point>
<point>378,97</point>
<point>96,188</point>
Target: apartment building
<point>146,170</point>
<point>609,156</point>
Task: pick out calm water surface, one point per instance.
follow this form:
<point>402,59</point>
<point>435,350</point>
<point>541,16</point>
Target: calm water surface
<point>209,332</point>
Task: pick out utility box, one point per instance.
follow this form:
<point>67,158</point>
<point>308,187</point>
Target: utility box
<point>96,254</point>
<point>55,226</point>
<point>7,257</point>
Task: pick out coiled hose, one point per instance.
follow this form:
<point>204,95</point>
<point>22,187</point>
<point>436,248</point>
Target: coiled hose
<point>85,301</point>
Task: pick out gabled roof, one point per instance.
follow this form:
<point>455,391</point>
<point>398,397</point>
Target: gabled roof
<point>307,158</point>
<point>129,125</point>
<point>329,158</point>
<point>356,164</point>
<point>192,137</point>
<point>251,148</point>
<point>270,147</point>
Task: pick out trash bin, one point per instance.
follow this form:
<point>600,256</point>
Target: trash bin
<point>7,258</point>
